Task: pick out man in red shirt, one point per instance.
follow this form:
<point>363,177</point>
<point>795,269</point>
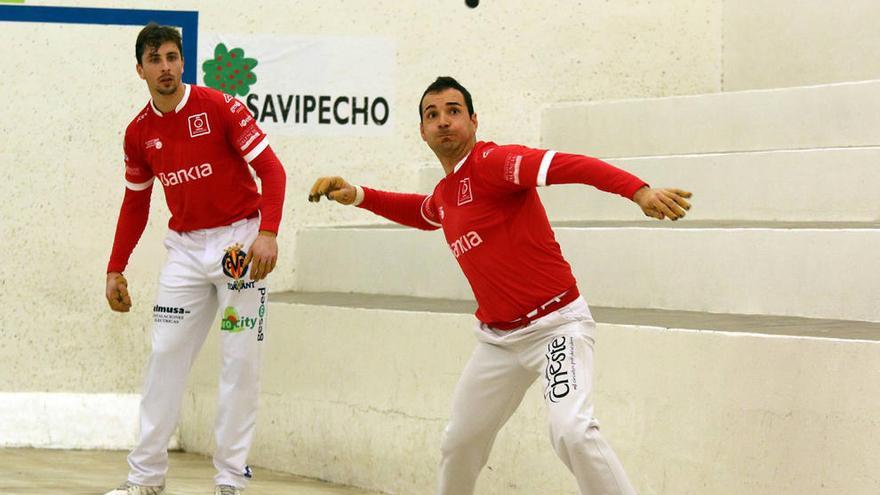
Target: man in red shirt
<point>198,143</point>
<point>532,320</point>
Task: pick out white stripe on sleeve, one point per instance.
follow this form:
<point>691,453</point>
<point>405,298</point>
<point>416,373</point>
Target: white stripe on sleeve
<point>257,150</point>
<point>141,186</point>
<point>545,166</point>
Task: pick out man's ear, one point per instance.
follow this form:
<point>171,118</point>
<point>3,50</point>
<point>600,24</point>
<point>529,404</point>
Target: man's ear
<point>140,70</point>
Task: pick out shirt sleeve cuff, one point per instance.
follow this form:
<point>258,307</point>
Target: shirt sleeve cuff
<point>359,196</point>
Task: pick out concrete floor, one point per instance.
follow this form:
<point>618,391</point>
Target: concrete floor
<point>89,472</point>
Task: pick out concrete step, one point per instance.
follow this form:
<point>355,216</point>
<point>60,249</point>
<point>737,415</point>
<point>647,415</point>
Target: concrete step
<point>360,395</point>
<point>835,185</point>
<point>833,115</point>
<point>693,320</point>
<point>810,270</point>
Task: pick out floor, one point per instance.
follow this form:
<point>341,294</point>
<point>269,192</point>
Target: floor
<point>89,472</point>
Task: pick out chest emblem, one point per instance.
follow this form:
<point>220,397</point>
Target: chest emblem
<point>198,125</point>
<point>153,143</point>
<point>465,193</point>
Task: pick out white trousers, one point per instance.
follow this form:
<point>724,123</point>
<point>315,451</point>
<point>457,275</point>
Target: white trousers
<point>558,348</point>
<point>204,270</point>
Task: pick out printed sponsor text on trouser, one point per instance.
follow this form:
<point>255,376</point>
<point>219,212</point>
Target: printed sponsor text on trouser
<point>559,349</point>
<point>203,272</point>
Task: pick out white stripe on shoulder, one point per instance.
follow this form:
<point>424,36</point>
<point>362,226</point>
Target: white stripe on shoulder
<point>257,150</point>
<point>422,211</point>
<point>545,166</point>
<point>141,186</point>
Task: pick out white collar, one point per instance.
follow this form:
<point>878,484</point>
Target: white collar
<point>180,105</point>
<point>459,164</point>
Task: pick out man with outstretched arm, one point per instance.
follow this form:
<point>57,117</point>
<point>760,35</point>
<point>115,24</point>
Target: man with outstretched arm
<point>532,320</point>
<point>199,143</point>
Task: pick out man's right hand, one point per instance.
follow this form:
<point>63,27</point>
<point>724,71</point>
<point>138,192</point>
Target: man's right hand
<point>117,292</point>
<point>335,188</point>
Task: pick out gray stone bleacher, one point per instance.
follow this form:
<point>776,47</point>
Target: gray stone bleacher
<point>694,320</point>
<point>772,271</point>
<point>809,185</point>
<point>800,118</point>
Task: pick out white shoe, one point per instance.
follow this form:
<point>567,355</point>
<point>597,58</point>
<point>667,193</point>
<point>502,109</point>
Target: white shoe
<point>227,490</point>
<point>129,488</point>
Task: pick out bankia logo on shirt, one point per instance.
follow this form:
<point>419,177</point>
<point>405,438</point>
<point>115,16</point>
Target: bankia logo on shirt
<point>305,85</point>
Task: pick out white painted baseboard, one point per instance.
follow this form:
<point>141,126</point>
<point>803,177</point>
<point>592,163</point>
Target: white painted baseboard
<point>70,421</point>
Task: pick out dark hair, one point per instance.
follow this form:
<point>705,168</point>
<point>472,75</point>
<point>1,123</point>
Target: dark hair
<point>152,36</point>
<point>446,82</point>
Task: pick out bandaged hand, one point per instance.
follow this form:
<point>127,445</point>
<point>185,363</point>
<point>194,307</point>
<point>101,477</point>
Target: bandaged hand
<point>662,203</point>
<point>117,292</point>
<point>335,188</point>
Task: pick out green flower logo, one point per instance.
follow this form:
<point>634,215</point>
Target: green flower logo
<point>229,71</point>
<point>230,322</point>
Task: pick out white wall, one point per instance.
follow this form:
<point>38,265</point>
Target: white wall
<point>64,112</point>
<point>69,91</point>
<point>75,89</point>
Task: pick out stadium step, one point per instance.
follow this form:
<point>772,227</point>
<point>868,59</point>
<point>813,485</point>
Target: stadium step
<point>373,377</point>
<point>819,270</point>
<point>815,185</point>
<point>693,320</point>
<point>824,116</point>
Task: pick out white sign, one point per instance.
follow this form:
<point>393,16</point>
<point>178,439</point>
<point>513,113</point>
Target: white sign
<point>298,85</point>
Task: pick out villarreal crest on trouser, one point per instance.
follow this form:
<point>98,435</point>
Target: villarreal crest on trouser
<point>204,275</point>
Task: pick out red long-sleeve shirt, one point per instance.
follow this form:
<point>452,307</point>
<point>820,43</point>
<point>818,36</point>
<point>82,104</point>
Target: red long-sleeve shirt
<point>495,224</point>
<point>200,153</point>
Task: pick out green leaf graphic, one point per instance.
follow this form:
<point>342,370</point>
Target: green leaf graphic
<point>230,71</point>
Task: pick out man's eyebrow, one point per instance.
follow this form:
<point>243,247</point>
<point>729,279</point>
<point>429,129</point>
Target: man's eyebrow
<point>448,103</point>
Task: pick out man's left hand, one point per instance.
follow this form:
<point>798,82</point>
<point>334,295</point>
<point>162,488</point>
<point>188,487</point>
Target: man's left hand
<point>263,254</point>
<point>662,203</point>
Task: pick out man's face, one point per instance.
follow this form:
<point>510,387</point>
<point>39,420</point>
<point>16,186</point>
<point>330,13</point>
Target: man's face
<point>446,125</point>
<point>161,68</point>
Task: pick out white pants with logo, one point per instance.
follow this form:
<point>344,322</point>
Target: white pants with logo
<point>192,286</point>
<point>558,348</point>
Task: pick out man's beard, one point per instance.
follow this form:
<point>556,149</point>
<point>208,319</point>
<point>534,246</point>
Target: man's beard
<point>167,91</point>
<point>446,148</point>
